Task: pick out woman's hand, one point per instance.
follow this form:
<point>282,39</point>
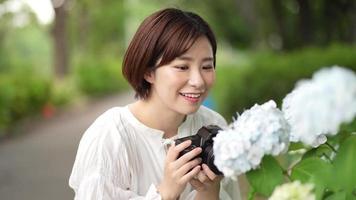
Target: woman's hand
<point>178,172</point>
<point>207,184</point>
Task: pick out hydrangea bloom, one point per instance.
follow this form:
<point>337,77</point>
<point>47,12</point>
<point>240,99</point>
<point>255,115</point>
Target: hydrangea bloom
<point>257,132</point>
<point>319,106</point>
<point>293,191</point>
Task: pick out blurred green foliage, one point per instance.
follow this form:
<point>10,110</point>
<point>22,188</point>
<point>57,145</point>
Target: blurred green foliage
<point>25,69</point>
<point>21,94</point>
<point>24,48</point>
<point>99,77</point>
<point>345,163</point>
<point>278,24</point>
<point>97,33</point>
<point>96,27</point>
<point>273,75</point>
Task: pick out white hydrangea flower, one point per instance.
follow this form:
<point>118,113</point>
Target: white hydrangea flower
<point>319,106</point>
<point>261,130</point>
<point>293,191</point>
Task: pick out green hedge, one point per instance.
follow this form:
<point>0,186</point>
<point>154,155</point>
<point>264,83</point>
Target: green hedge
<point>273,76</point>
<point>100,77</point>
<point>21,95</point>
<point>26,92</point>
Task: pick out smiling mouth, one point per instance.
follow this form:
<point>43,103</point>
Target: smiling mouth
<point>191,95</point>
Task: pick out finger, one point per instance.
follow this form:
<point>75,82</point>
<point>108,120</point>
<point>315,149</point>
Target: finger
<point>188,156</point>
<point>202,177</point>
<point>174,150</point>
<point>197,185</point>
<point>210,174</point>
<point>190,175</point>
<point>188,166</point>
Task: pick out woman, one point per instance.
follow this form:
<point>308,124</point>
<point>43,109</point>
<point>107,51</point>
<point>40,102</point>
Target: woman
<point>125,153</point>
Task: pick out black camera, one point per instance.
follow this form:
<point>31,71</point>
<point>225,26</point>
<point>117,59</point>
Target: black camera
<point>203,139</point>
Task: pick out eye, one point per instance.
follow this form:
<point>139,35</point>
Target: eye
<point>208,67</point>
<point>182,67</point>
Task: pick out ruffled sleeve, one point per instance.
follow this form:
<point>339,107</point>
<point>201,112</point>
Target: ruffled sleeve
<point>230,189</point>
<point>101,169</point>
<point>208,116</point>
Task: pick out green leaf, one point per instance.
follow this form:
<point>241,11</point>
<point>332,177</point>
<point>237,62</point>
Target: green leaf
<point>345,165</point>
<point>337,196</point>
<point>295,146</point>
<point>322,150</point>
<point>341,136</point>
<point>267,177</point>
<point>251,194</point>
<point>314,170</point>
<point>348,128</point>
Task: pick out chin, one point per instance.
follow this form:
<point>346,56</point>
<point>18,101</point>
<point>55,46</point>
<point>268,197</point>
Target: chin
<point>190,110</point>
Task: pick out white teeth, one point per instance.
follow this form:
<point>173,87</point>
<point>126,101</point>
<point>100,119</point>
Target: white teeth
<point>191,95</point>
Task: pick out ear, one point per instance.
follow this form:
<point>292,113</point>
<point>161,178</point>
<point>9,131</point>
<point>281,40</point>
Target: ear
<point>149,76</point>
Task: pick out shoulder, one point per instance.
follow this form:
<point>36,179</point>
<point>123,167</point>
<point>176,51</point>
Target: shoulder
<point>99,148</point>
<point>103,131</point>
<point>104,135</point>
<point>110,122</point>
<point>209,116</point>
<point>107,119</point>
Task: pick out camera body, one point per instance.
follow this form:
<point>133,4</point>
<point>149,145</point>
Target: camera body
<point>203,139</point>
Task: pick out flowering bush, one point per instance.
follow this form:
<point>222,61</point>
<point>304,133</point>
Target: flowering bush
<point>311,117</point>
<point>328,100</point>
<point>293,191</point>
<point>260,131</point>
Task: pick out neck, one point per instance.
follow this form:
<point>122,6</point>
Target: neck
<point>156,117</point>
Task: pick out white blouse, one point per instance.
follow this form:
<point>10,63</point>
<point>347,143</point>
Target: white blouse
<point>121,158</point>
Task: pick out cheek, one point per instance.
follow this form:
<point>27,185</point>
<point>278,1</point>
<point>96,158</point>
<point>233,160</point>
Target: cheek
<point>210,80</point>
<point>171,82</point>
<point>176,79</point>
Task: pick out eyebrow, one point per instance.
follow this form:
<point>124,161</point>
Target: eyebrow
<point>190,58</point>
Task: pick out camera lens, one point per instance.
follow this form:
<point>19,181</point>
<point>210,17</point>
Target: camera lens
<point>208,159</point>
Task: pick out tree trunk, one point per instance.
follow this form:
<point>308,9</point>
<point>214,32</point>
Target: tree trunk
<point>305,22</point>
<point>59,33</point>
<point>249,13</point>
<point>277,11</point>
<point>353,27</point>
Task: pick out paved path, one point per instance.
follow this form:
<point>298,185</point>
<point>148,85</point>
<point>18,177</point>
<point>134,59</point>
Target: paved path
<point>37,165</point>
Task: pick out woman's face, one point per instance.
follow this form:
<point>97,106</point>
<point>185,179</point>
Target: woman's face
<point>183,84</point>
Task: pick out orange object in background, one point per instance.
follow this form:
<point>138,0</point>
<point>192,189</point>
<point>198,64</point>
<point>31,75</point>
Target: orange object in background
<point>48,110</point>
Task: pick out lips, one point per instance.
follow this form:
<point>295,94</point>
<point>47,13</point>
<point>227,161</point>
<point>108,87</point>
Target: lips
<point>191,97</point>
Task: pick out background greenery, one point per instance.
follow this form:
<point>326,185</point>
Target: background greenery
<point>264,48</point>
<point>273,75</point>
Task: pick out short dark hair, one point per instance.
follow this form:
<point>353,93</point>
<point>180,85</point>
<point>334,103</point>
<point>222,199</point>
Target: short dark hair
<point>165,34</point>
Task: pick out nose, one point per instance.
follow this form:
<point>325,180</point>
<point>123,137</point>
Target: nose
<point>196,79</point>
